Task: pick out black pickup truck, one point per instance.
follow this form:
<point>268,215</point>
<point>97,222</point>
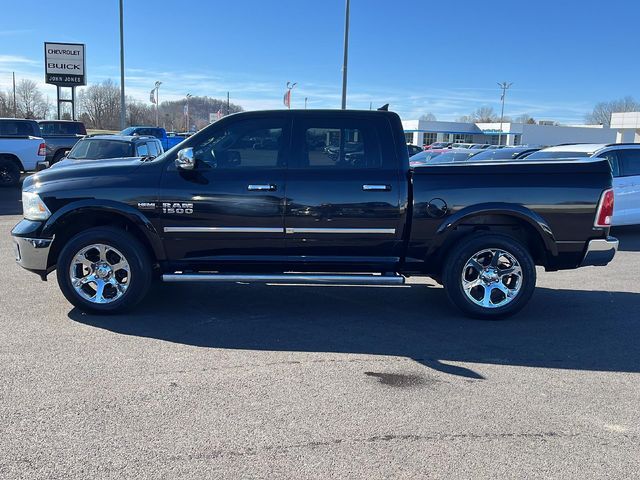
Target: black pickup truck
<point>308,196</point>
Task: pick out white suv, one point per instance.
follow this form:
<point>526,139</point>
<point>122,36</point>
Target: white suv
<point>625,166</point>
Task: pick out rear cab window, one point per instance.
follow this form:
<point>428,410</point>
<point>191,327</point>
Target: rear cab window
<point>19,128</point>
<point>62,128</point>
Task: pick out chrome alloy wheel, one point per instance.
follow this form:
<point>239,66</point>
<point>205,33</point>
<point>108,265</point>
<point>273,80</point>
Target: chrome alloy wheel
<point>492,278</point>
<point>100,273</point>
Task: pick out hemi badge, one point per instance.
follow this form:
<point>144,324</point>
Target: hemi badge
<point>146,205</point>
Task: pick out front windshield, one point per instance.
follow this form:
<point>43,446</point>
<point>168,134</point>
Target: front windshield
<point>554,154</point>
<point>128,131</point>
<point>99,149</point>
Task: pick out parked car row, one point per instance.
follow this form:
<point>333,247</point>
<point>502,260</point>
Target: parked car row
<point>624,159</point>
<point>30,145</point>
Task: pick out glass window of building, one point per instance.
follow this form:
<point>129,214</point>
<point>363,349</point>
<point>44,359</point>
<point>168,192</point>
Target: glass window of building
<point>429,138</point>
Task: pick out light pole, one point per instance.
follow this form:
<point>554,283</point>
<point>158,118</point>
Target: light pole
<point>122,105</point>
<point>186,112</point>
<point>305,102</point>
<point>157,104</point>
<point>504,86</point>
<point>346,55</point>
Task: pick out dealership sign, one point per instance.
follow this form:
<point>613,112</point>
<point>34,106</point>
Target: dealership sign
<point>64,64</point>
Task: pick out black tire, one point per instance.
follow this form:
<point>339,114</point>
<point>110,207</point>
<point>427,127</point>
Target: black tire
<point>9,173</point>
<point>464,251</point>
<point>57,157</point>
<point>135,254</point>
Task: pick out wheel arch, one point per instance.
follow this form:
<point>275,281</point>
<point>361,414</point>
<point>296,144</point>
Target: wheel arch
<point>513,220</point>
<point>13,158</point>
<point>78,216</point>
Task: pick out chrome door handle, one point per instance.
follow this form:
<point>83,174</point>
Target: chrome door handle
<point>376,188</point>
<point>264,188</point>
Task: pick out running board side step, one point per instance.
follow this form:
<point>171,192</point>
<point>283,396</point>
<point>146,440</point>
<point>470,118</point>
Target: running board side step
<point>287,278</point>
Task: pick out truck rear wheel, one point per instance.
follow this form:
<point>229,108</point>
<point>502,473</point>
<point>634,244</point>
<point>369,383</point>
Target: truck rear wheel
<point>489,276</point>
<point>9,173</point>
<point>58,156</point>
<point>104,270</point>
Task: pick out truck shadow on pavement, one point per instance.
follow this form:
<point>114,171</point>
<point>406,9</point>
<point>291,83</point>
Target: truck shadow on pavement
<point>567,329</point>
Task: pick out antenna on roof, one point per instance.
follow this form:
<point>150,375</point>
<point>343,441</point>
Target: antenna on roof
<point>384,108</point>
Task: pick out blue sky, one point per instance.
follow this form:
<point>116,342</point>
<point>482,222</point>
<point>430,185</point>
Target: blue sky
<point>418,55</point>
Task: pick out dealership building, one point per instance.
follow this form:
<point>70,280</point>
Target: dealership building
<point>425,132</point>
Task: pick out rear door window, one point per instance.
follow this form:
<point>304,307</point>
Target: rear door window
<point>340,143</point>
<point>629,161</point>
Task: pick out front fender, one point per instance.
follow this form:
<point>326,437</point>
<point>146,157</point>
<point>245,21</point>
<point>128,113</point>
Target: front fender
<point>66,214</point>
<point>496,208</point>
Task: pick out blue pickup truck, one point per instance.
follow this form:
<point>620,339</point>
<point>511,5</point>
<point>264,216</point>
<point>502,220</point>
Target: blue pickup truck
<point>160,133</point>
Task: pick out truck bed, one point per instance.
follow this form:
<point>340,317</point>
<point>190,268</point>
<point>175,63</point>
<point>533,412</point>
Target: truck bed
<point>557,199</point>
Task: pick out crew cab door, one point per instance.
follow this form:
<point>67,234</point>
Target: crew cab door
<point>345,198</point>
<point>230,208</point>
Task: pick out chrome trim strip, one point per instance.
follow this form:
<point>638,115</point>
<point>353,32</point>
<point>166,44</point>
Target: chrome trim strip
<point>386,231</point>
<point>376,188</point>
<point>294,278</point>
<point>223,230</point>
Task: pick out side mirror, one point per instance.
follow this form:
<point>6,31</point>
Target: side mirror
<point>185,160</point>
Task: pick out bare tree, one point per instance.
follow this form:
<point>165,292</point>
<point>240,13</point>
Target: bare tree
<point>6,105</point>
<point>601,114</point>
<point>525,118</point>
<point>485,115</point>
<point>30,101</point>
<point>100,105</point>
<point>428,117</point>
<point>465,119</point>
<point>138,113</point>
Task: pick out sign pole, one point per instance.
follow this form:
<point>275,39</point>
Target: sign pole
<point>58,99</point>
<point>15,104</point>
<point>73,103</point>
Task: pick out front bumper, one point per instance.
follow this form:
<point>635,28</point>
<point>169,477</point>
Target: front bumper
<point>32,253</point>
<point>600,252</point>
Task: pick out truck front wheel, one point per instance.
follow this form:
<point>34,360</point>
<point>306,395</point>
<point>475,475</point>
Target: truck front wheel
<point>104,270</point>
<point>489,276</point>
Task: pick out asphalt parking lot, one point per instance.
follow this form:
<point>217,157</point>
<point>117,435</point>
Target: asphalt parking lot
<point>250,381</point>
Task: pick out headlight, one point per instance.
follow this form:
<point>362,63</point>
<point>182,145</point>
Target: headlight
<point>33,208</point>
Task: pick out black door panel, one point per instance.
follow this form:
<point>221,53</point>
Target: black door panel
<point>344,195</point>
<point>236,194</point>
